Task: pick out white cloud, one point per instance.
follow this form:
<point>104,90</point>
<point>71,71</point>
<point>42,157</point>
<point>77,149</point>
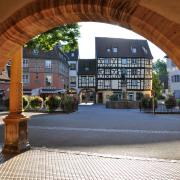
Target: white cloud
<point>90,30</point>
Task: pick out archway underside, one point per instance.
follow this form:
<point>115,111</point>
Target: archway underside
<point>41,15</point>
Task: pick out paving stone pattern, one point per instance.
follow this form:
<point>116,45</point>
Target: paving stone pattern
<point>51,164</point>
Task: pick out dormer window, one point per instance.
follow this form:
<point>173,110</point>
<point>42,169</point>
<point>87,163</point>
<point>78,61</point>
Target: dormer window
<point>145,50</point>
<point>86,68</point>
<point>115,50</point>
<point>35,52</point>
<point>133,50</point>
<point>108,50</point>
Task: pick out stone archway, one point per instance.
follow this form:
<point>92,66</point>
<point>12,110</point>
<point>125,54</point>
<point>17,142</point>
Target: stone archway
<point>87,96</point>
<point>157,20</point>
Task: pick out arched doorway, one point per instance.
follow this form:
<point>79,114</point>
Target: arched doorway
<point>158,21</point>
<point>87,96</point>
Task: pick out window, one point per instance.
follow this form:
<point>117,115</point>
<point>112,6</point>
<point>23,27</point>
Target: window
<point>25,63</point>
<point>106,61</point>
<point>148,72</point>
<point>48,79</point>
<point>124,61</point>
<point>73,80</point>
<point>72,54</point>
<point>48,64</point>
<point>130,96</point>
<point>91,80</point>
<point>175,78</point>
<point>133,61</point>
<point>145,50</point>
<point>72,66</point>
<point>107,84</point>
<point>133,50</point>
<point>133,71</point>
<point>35,52</point>
<point>37,67</point>
<point>134,82</point>
<point>84,79</point>
<point>107,71</point>
<point>115,50</point>
<point>25,78</point>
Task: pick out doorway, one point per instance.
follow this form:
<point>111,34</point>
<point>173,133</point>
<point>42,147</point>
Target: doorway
<point>100,98</point>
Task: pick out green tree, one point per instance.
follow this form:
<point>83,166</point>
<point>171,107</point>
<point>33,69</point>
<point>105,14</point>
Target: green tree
<point>160,67</point>
<point>156,85</point>
<point>66,35</point>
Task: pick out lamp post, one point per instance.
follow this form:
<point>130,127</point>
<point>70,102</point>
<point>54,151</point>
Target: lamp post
<point>124,84</point>
<point>153,101</point>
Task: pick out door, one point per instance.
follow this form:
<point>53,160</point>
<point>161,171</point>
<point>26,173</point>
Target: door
<point>100,98</point>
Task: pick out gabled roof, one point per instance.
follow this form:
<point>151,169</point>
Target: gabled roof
<point>125,48</point>
<point>87,67</point>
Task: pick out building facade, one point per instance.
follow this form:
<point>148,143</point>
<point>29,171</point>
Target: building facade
<point>48,70</point>
<point>118,61</point>
<point>73,70</point>
<point>87,80</point>
<point>173,78</point>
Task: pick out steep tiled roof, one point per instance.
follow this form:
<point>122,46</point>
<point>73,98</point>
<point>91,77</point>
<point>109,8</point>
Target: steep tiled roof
<point>31,53</point>
<point>126,48</point>
<point>87,67</point>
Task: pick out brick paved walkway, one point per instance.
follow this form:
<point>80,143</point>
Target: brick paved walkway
<point>51,164</point>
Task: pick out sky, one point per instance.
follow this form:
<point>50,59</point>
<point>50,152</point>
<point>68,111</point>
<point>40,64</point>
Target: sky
<point>90,30</point>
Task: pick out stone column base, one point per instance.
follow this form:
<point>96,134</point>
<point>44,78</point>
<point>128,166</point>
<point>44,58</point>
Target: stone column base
<point>16,134</point>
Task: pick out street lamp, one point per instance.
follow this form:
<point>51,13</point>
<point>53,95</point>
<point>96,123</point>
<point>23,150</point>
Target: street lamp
<point>124,84</point>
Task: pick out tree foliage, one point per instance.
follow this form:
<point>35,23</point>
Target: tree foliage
<point>156,85</point>
<point>160,67</point>
<point>67,36</point>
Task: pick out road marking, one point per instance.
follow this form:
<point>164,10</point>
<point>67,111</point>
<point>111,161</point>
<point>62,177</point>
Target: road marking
<point>105,130</point>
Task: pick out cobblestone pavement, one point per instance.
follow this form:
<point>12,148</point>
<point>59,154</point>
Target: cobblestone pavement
<point>53,164</point>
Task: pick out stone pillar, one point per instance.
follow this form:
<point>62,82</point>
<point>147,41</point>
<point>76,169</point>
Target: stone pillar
<point>16,129</point>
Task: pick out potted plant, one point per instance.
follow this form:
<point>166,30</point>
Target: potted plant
<point>68,104</point>
<point>25,102</point>
<point>36,102</point>
<point>53,102</point>
<point>147,103</point>
<point>170,102</point>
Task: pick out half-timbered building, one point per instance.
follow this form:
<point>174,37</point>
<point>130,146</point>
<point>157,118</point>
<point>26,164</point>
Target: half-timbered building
<point>123,58</point>
<point>87,80</point>
<point>119,64</point>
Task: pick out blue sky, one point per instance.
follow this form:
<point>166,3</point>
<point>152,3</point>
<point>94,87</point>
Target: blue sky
<point>90,30</point>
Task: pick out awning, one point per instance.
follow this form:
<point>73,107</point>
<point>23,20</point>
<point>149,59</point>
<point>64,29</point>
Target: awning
<point>51,91</point>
